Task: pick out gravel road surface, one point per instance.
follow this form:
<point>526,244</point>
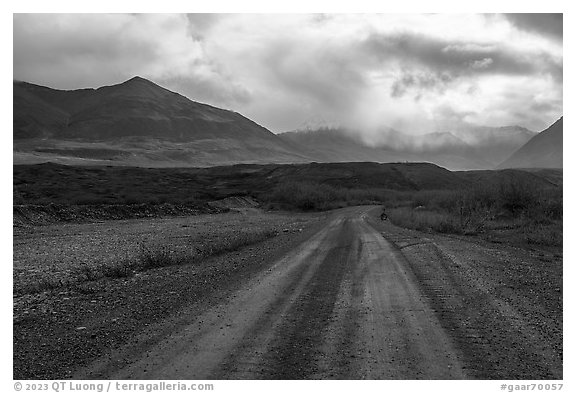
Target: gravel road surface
<point>361,299</point>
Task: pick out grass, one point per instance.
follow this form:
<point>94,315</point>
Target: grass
<point>320,197</point>
<point>530,212</point>
<point>533,216</point>
<point>45,184</point>
<point>543,235</point>
<point>46,214</point>
<point>527,214</point>
<point>160,255</point>
<point>423,221</point>
<point>150,255</point>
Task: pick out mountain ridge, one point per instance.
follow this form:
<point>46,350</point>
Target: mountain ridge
<point>136,97</point>
<point>445,148</point>
<point>544,150</point>
<point>136,122</point>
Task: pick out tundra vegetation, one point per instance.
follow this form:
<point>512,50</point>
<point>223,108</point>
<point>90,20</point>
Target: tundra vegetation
<point>516,208</point>
<point>524,214</point>
<point>520,209</point>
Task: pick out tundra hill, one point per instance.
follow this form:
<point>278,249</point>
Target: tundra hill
<point>363,175</point>
<point>541,179</point>
<point>542,151</point>
<point>553,175</point>
<point>136,122</point>
<point>63,184</point>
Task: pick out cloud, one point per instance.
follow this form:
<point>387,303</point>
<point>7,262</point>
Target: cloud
<point>482,64</point>
<point>75,51</point>
<point>550,25</point>
<point>199,25</point>
<point>411,71</point>
<point>457,58</point>
<point>423,82</point>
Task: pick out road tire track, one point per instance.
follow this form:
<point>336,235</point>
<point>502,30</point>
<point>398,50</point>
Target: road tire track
<point>348,303</point>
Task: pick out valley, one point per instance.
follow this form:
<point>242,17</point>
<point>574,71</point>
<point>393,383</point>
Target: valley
<point>288,196</point>
<point>270,271</point>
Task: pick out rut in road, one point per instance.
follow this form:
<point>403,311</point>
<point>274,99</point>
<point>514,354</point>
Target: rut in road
<point>341,305</point>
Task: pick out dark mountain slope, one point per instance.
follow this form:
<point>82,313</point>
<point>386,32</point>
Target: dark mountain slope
<point>139,107</point>
<point>34,117</point>
<point>137,123</point>
<point>542,151</point>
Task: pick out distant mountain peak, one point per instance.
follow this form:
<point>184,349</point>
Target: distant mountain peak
<point>318,122</point>
<point>139,79</point>
<point>136,82</point>
<point>138,87</point>
<point>134,108</point>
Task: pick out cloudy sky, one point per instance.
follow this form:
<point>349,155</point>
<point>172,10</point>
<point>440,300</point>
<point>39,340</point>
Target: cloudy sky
<point>415,72</point>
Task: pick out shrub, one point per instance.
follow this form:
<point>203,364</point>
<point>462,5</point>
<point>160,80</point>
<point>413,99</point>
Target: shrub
<point>318,197</point>
<point>160,255</point>
<point>304,196</point>
<point>531,214</point>
<point>423,220</point>
<point>517,197</point>
<point>545,235</point>
<point>121,270</point>
<point>151,257</point>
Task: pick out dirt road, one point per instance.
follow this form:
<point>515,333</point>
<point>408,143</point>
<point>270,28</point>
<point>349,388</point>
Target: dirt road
<point>359,299</point>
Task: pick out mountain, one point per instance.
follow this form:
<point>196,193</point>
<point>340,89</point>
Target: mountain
<point>336,145</point>
<point>462,149</point>
<point>494,144</point>
<point>136,122</point>
<point>139,123</point>
<point>542,151</point>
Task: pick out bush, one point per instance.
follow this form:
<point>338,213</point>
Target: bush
<point>304,196</point>
<point>517,197</point>
<point>545,235</point>
<point>151,257</point>
<point>531,214</point>
<point>423,220</point>
<point>160,255</point>
<point>319,197</point>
